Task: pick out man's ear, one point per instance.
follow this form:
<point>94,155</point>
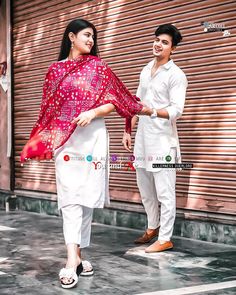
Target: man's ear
<point>173,49</point>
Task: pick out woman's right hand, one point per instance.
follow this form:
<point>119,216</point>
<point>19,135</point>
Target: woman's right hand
<point>127,141</point>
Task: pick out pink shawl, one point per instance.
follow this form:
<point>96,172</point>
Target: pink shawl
<point>72,87</point>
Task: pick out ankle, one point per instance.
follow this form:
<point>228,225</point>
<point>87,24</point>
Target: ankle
<point>79,252</point>
<point>150,230</point>
<point>162,242</point>
<point>73,262</point>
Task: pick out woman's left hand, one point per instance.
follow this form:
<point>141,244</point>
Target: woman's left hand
<point>143,102</point>
<point>84,118</point>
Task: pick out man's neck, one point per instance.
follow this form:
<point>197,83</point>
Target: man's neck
<point>160,62</point>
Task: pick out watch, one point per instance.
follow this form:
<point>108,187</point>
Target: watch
<point>154,114</point>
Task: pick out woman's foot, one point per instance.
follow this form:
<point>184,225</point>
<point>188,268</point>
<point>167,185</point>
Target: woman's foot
<point>73,262</point>
<point>87,269</point>
<point>87,266</point>
<point>68,278</point>
<point>69,275</point>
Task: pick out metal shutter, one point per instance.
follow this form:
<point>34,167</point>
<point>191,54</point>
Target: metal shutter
<point>207,127</point>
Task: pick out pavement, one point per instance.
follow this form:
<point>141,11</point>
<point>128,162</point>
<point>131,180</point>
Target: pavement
<point>32,251</point>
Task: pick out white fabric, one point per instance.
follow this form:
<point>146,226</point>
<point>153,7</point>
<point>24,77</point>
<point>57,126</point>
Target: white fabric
<point>68,273</point>
<point>155,137</point>
<point>159,188</point>
<point>87,266</point>
<point>77,221</point>
<point>80,181</point>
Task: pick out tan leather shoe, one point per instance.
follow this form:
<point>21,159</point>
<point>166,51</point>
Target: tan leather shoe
<point>157,247</point>
<point>147,237</point>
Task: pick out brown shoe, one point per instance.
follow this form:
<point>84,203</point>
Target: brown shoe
<point>146,238</point>
<point>157,247</point>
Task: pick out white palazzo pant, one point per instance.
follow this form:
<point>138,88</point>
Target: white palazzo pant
<point>77,221</point>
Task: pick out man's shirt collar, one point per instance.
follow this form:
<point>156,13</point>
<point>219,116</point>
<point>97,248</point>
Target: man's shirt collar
<point>166,66</point>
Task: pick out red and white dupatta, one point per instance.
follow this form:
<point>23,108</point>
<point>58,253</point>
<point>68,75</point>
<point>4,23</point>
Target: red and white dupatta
<point>72,87</point>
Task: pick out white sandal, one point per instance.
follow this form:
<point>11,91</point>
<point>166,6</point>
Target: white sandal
<point>87,269</point>
<point>69,273</point>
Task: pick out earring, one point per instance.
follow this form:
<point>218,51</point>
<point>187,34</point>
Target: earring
<point>72,44</point>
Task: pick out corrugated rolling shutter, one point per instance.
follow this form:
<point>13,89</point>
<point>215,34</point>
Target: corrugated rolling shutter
<point>207,127</point>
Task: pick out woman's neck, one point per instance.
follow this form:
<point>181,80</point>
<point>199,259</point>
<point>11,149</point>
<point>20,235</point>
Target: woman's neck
<point>74,54</point>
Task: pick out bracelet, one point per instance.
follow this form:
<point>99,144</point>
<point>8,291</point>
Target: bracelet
<point>154,114</point>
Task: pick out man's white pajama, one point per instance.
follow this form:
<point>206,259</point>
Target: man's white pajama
<point>158,188</point>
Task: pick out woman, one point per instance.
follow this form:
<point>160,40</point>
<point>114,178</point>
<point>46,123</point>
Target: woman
<point>79,90</point>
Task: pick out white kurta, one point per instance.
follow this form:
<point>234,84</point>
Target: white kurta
<point>155,137</point>
<point>82,167</point>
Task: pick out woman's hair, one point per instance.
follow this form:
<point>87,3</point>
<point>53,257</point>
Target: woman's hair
<point>75,27</point>
<point>171,31</point>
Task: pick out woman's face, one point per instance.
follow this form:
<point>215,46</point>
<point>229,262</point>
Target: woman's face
<point>83,41</point>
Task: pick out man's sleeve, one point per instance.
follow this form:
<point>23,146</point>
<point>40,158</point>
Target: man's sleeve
<point>139,90</point>
<point>177,94</point>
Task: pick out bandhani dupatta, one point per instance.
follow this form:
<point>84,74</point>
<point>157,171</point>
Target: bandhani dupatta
<point>72,87</point>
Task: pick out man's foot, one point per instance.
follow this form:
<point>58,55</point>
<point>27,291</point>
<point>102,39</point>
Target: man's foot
<point>147,236</point>
<point>159,247</point>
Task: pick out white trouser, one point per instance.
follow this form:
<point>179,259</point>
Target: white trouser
<point>158,187</point>
<point>77,221</point>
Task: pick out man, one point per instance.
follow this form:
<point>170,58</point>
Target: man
<point>162,87</point>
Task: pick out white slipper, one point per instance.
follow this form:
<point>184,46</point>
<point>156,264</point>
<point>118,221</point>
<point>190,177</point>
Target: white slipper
<point>68,273</point>
<point>87,269</point>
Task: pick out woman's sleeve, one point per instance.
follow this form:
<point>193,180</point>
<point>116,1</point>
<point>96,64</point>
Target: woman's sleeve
<point>126,104</point>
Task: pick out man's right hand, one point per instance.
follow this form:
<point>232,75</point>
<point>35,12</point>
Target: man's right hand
<point>127,141</point>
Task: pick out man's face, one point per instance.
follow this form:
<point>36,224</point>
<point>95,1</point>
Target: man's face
<point>162,46</point>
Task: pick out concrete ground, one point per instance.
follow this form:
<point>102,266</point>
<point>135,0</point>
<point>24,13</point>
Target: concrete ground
<point>32,252</point>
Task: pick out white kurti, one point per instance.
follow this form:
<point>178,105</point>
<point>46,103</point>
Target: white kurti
<point>155,137</point>
<point>82,167</point>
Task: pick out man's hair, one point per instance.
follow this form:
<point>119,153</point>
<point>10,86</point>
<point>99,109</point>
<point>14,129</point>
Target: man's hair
<point>171,31</point>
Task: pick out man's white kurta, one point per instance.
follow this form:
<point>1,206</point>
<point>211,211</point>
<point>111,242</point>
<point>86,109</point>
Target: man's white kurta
<point>155,137</point>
